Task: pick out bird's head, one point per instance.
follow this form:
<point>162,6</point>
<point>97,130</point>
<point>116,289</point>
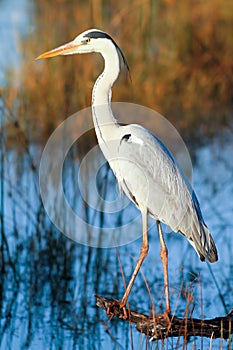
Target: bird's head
<point>92,40</point>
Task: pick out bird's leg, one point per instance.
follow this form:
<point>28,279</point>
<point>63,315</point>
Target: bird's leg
<point>143,253</point>
<point>164,258</point>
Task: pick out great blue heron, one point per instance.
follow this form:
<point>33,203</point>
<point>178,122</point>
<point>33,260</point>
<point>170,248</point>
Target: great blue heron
<point>145,169</point>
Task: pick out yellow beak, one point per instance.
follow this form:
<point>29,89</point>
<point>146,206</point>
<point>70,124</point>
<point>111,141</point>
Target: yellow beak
<point>65,49</point>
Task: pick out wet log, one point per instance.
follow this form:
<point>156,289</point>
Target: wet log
<point>161,327</point>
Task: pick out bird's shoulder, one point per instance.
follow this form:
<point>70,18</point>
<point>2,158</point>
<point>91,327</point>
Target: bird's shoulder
<point>141,147</point>
<point>135,137</point>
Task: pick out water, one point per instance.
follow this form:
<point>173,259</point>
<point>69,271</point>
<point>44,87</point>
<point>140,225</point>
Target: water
<point>14,23</point>
<point>48,281</point>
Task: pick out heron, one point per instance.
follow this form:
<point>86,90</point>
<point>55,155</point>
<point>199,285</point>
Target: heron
<point>145,169</point>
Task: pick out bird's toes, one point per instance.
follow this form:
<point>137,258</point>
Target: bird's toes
<point>167,316</point>
<point>117,308</point>
<point>125,315</point>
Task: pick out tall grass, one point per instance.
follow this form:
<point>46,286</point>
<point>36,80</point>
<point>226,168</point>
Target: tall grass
<point>180,55</point>
<point>48,282</point>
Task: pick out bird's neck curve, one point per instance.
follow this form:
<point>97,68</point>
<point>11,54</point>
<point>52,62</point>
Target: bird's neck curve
<point>104,121</point>
<point>108,131</point>
<point>102,91</point>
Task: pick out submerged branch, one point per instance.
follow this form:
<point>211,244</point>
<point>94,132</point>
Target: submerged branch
<point>159,327</point>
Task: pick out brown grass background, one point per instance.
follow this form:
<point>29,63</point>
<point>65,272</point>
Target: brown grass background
<point>179,52</point>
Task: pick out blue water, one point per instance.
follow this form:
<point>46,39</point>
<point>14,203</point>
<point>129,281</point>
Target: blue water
<point>14,24</point>
<point>49,281</point>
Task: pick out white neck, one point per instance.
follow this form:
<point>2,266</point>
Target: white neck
<point>103,119</point>
<point>108,131</point>
<point>102,90</point>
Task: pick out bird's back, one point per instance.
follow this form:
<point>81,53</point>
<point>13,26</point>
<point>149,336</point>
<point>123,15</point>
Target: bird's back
<point>152,179</point>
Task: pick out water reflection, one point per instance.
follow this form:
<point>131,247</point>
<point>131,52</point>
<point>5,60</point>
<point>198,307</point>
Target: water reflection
<point>48,281</point>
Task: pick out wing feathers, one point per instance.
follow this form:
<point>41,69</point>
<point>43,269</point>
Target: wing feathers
<point>154,179</point>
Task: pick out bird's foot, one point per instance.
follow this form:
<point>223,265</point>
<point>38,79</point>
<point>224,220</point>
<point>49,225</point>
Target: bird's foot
<point>167,316</point>
<point>117,308</point>
<point>125,311</point>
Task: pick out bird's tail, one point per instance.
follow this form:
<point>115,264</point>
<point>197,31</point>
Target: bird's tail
<point>204,244</point>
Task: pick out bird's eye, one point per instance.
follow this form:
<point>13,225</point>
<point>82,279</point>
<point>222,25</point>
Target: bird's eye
<point>86,41</point>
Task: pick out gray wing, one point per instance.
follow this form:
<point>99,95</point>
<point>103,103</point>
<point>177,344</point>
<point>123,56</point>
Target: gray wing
<point>152,179</point>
